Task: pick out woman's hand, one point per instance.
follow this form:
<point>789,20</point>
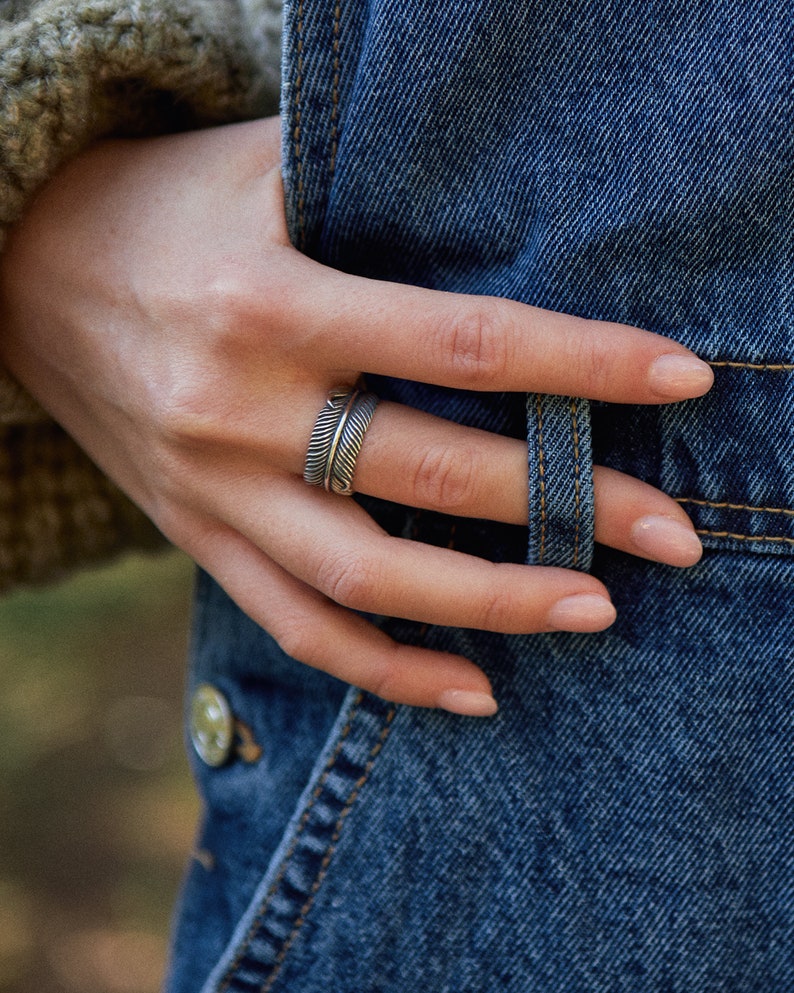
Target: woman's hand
<point>152,302</point>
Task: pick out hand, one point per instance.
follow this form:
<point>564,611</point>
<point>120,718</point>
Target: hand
<point>152,302</point>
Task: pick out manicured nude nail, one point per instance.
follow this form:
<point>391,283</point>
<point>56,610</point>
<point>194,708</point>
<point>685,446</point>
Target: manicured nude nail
<point>680,376</point>
<point>467,703</point>
<point>667,540</point>
<point>581,612</point>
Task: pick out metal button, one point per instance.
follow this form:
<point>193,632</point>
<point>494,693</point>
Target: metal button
<point>211,725</point>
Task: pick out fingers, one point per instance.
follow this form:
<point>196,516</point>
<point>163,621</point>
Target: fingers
<point>333,546</point>
<point>486,343</point>
<point>419,460</point>
<point>331,551</point>
<point>313,630</point>
<point>639,519</point>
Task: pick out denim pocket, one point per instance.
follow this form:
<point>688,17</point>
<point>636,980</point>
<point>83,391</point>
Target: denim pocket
<point>637,777</point>
<point>275,916</point>
<point>733,472</point>
<point>728,458</point>
<point>281,716</point>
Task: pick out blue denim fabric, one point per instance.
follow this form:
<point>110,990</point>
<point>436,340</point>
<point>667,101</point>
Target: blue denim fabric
<point>561,519</point>
<point>626,823</point>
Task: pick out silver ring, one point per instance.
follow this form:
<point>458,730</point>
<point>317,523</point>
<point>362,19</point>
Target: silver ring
<point>337,438</point>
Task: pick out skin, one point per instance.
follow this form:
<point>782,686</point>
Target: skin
<point>151,301</point>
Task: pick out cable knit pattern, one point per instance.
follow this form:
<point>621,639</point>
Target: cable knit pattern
<point>71,72</point>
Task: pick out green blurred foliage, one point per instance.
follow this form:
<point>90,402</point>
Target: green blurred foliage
<point>98,811</point>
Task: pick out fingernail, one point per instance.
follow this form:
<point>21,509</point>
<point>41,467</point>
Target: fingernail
<point>680,376</point>
<point>667,540</point>
<point>467,703</point>
<point>581,612</point>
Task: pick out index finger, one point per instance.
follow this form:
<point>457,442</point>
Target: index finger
<point>489,343</point>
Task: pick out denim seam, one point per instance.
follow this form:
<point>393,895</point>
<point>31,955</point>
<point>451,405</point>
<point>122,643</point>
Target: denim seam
<point>577,470</point>
<point>745,537</point>
<point>755,366</point>
<point>329,854</point>
<point>541,479</point>
<point>335,89</point>
<point>227,979</point>
<point>297,133</point>
<point>724,505</point>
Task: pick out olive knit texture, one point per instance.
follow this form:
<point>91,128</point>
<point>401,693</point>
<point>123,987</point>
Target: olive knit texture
<point>72,71</point>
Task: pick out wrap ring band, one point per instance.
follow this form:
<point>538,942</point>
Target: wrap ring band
<point>337,438</point>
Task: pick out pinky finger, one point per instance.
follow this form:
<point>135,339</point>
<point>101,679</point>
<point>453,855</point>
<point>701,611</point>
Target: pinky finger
<point>320,633</point>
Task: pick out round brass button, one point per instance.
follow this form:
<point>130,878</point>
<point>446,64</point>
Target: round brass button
<point>211,725</point>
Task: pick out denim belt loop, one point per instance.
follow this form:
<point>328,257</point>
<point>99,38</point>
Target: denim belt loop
<point>560,482</point>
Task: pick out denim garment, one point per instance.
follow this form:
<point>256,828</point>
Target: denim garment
<point>626,822</point>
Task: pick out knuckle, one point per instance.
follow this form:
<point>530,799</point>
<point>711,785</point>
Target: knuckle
<point>445,478</point>
<point>349,578</point>
<point>229,298</point>
<point>184,410</point>
<point>385,679</point>
<point>476,343</point>
<point>294,637</point>
<point>594,365</point>
<point>235,311</point>
<point>498,612</point>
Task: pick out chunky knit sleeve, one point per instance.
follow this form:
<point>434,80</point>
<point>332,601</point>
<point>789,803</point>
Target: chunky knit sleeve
<point>72,71</point>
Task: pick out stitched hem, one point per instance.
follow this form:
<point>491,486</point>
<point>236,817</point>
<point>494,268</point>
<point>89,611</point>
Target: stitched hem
<point>755,366</point>
<point>278,914</point>
<point>750,526</point>
<point>725,505</point>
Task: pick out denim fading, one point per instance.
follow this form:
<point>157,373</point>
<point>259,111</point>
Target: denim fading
<point>625,823</point>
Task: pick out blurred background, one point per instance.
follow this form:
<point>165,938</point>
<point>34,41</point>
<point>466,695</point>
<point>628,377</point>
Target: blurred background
<point>98,810</point>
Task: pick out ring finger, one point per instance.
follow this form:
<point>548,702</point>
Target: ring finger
<point>420,460</point>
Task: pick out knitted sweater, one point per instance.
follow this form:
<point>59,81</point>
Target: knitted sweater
<point>72,71</point>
